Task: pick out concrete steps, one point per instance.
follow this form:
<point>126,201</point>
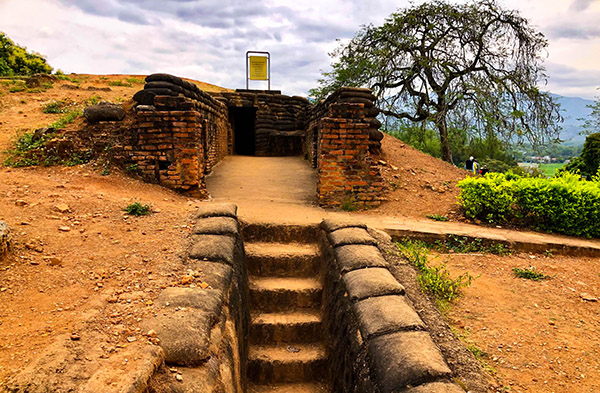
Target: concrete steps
<point>286,350</point>
<point>286,327</point>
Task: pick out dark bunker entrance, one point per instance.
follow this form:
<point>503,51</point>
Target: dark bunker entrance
<point>243,120</point>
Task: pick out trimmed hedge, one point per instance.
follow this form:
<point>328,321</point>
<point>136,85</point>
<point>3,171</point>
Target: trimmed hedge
<point>563,204</point>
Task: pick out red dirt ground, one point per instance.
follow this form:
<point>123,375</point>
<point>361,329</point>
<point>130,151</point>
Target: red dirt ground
<point>538,336</point>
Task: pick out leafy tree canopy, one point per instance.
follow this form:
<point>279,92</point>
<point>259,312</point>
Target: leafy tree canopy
<point>588,163</point>
<point>15,60</point>
<point>471,65</point>
<point>592,123</point>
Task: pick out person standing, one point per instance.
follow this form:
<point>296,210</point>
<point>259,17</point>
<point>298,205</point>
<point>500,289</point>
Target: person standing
<point>469,164</point>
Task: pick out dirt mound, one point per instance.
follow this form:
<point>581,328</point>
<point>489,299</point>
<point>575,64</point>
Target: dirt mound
<point>418,183</point>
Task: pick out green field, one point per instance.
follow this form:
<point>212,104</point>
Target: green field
<point>549,169</point>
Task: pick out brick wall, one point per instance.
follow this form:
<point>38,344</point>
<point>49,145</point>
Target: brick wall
<point>337,143</point>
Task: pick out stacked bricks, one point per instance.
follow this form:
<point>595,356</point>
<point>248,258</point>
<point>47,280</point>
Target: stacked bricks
<point>280,119</point>
<point>379,344</point>
<point>166,145</point>
<point>338,142</point>
<point>178,139</point>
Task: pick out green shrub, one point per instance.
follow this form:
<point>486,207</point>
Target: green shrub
<point>562,204</point>
<point>137,209</point>
<point>489,198</point>
<point>55,107</point>
<point>437,217</point>
<point>136,81</point>
<point>68,118</point>
<point>530,274</point>
<point>119,83</point>
<point>433,279</point>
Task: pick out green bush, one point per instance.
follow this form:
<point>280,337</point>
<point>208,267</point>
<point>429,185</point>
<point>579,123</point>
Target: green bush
<point>433,279</point>
<point>137,209</point>
<point>588,162</point>
<point>563,204</point>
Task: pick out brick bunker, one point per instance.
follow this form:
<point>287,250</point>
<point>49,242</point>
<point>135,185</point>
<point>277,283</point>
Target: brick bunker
<point>176,133</point>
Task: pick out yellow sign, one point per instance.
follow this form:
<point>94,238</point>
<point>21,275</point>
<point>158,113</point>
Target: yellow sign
<point>258,68</point>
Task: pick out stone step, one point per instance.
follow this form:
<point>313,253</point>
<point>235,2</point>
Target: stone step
<point>300,387</point>
<point>272,294</point>
<point>288,327</point>
<point>267,232</point>
<point>282,259</point>
<point>286,363</point>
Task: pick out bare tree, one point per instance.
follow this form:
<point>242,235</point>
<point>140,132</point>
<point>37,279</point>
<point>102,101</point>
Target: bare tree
<point>428,61</point>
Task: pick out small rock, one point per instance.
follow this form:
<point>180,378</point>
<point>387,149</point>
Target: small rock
<point>53,260</point>
<point>395,168</point>
<point>588,298</point>
<point>62,208</point>
<point>151,333</point>
<point>64,229</point>
<point>131,339</point>
<point>381,162</point>
<point>20,202</point>
<point>75,336</point>
<point>179,377</point>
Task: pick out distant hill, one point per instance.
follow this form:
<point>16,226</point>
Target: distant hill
<point>572,109</point>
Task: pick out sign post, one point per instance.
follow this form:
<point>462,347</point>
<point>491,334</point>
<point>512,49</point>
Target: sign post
<point>258,68</point>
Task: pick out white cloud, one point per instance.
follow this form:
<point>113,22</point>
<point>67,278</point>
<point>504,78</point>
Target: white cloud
<point>207,39</point>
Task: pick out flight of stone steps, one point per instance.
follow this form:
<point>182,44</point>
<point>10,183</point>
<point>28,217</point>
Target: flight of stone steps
<point>286,343</point>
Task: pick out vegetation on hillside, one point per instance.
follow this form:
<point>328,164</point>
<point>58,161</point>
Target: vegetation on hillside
<point>16,60</point>
<point>588,163</point>
<point>473,67</point>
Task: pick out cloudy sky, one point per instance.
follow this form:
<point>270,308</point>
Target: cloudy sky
<point>207,39</point>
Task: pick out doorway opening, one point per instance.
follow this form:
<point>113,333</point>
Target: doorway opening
<point>243,121</point>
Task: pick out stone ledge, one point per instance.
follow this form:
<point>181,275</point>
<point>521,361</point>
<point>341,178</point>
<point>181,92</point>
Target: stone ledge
<point>216,210</point>
<point>406,359</point>
<point>372,281</point>
<point>216,248</point>
<point>345,236</point>
<point>330,225</point>
<point>436,387</point>
<point>357,256</point>
<point>217,226</point>
<point>386,314</point>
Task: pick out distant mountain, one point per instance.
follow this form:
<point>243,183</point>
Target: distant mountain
<point>572,109</point>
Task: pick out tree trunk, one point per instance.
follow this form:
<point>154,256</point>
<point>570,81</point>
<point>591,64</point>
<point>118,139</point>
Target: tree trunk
<point>444,140</point>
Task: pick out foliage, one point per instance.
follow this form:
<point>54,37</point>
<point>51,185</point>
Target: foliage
<point>472,65</point>
<point>529,273</point>
<point>465,245</point>
<point>15,60</point>
<point>137,209</point>
<point>433,279</point>
<point>68,118</point>
<point>119,83</point>
<point>133,168</point>
<point>437,217</point>
<point>54,106</point>
<point>563,204</point>
<point>588,162</point>
<point>135,81</point>
<point>591,125</point>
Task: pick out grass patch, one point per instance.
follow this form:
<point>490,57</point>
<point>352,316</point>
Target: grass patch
<point>348,205</point>
<point>435,280</point>
<point>56,106</point>
<point>68,118</point>
<point>137,209</point>
<point>549,170</point>
<point>529,273</point>
<point>465,245</point>
<point>437,217</point>
<point>119,83</point>
<point>135,81</point>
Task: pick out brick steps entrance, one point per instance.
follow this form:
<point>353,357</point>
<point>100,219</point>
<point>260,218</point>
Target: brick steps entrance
<point>286,348</point>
